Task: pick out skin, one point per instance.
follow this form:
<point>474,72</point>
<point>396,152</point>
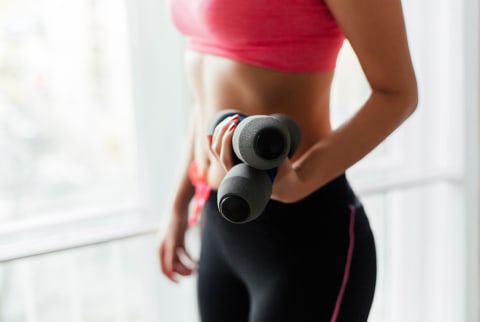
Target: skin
<point>376,32</point>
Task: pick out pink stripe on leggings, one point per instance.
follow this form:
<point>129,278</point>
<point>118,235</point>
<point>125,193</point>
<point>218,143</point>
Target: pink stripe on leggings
<point>347,264</point>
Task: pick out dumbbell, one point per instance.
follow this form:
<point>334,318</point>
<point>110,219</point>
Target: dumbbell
<point>260,144</point>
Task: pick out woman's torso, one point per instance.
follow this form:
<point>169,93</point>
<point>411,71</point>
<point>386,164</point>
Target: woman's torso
<point>218,83</point>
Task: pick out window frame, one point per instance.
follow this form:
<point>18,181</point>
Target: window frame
<point>471,45</point>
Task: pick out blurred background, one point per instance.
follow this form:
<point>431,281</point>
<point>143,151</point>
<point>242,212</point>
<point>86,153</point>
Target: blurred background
<point>93,106</point>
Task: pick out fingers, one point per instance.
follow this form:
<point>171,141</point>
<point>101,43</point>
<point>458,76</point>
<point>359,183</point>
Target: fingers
<point>175,261</point>
<point>226,155</point>
<point>220,142</point>
<point>185,265</point>
<point>166,262</point>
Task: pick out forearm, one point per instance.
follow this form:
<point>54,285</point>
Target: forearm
<point>183,194</point>
<point>382,113</point>
<point>183,189</point>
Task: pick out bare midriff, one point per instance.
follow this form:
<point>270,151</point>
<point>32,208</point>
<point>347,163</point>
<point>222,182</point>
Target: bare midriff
<point>218,83</point>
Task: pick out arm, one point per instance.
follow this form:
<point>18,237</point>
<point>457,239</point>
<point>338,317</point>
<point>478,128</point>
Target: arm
<point>173,234</point>
<point>183,188</point>
<point>376,31</point>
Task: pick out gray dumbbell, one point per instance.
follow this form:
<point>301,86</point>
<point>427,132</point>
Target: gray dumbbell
<point>260,144</point>
<point>261,141</point>
<point>243,193</point>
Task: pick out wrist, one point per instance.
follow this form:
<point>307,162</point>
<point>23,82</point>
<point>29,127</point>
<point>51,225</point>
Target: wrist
<point>311,169</point>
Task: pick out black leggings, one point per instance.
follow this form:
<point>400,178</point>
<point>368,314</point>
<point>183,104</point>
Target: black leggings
<point>313,260</point>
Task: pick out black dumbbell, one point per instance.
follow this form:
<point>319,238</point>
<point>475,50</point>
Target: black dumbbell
<point>260,144</point>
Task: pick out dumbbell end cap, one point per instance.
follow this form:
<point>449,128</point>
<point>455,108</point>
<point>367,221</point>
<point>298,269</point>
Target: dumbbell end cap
<point>234,208</point>
<point>269,144</point>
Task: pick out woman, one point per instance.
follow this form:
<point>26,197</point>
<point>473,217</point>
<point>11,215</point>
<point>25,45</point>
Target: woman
<point>279,56</point>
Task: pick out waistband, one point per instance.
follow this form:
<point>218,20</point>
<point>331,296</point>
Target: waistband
<point>337,192</point>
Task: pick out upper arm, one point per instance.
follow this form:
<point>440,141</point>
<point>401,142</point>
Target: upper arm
<point>376,32</point>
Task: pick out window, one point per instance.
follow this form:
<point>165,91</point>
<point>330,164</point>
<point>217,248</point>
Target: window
<point>67,121</point>
<point>67,116</point>
<point>69,168</point>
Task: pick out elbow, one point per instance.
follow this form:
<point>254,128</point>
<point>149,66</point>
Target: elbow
<point>408,89</point>
<point>408,101</point>
<point>411,98</point>
<point>404,97</point>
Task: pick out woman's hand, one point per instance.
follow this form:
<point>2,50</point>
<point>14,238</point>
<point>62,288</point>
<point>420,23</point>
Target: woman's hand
<point>220,142</point>
<point>173,255</point>
<point>288,185</point>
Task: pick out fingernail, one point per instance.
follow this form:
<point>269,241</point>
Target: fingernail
<point>232,127</point>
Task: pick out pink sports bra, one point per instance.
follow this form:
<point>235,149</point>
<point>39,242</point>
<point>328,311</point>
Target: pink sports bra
<point>287,35</point>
